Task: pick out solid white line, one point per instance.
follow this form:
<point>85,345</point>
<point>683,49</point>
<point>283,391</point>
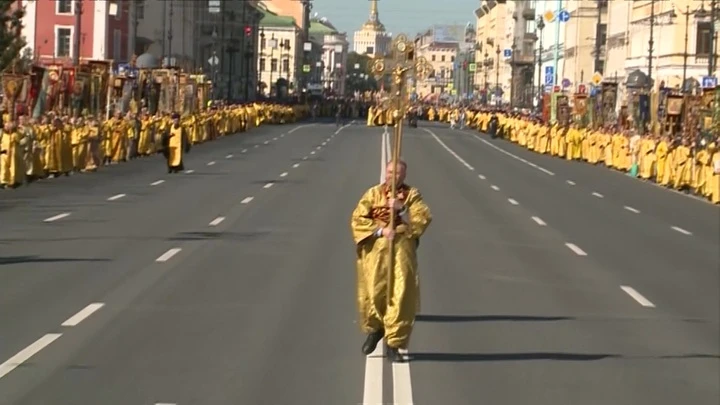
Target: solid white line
<point>216,221</point>
<point>576,249</point>
<point>283,174</point>
<point>631,209</point>
<point>682,231</point>
<point>598,195</point>
<point>116,197</point>
<point>266,142</point>
<point>383,155</point>
<point>402,383</point>
<point>539,221</point>
<point>229,156</point>
<point>481,177</point>
<point>189,171</point>
<point>83,314</point>
<point>56,217</point>
<point>243,151</point>
<point>373,387</point>
<point>494,187</point>
<point>165,403</point>
<point>155,183</point>
<point>268,185</point>
<point>513,202</point>
<point>501,150</point>
<point>342,127</point>
<point>312,153</point>
<point>570,182</point>
<point>211,163</point>
<point>13,362</point>
<point>295,166</point>
<point>168,255</point>
<point>452,152</point>
<point>246,200</point>
<point>637,296</point>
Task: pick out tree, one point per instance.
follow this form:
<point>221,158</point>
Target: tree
<point>355,79</point>
<point>11,40</point>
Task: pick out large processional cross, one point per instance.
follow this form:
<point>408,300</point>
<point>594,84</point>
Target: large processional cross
<point>401,65</point>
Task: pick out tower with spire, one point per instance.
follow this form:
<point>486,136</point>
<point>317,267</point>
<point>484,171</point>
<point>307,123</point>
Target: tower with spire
<point>372,38</point>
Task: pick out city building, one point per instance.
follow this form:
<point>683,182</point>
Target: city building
<point>288,8</point>
<point>551,39</point>
<point>280,46</point>
<point>372,38</point>
<point>330,68</point>
<point>439,45</point>
<point>493,72</point>
<point>521,36</point>
<point>50,29</point>
<point>165,29</point>
<point>585,39</point>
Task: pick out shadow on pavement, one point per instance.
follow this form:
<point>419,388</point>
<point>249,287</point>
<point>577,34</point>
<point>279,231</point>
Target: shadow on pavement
<point>6,260</point>
<point>466,357</point>
<point>489,318</point>
<point>235,236</point>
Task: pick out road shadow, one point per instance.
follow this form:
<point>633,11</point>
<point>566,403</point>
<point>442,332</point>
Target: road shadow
<point>234,236</point>
<point>489,318</point>
<point>7,260</point>
<point>497,357</point>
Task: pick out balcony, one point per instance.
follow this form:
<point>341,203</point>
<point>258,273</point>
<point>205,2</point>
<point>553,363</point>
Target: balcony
<point>530,36</point>
<point>528,14</point>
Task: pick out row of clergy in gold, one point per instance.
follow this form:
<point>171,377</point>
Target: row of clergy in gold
<point>50,146</point>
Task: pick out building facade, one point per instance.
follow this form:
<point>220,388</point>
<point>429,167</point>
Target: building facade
<point>585,39</point>
<point>280,47</point>
<point>50,29</point>
<point>493,72</point>
<point>331,65</point>
<point>372,39</point>
<point>440,46</point>
<point>167,30</point>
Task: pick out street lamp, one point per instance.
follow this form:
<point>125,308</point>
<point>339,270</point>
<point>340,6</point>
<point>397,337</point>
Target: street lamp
<point>486,67</point>
<point>540,27</point>
<point>259,68</point>
<point>497,75</point>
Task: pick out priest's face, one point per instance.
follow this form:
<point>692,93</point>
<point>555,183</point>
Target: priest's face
<point>399,173</point>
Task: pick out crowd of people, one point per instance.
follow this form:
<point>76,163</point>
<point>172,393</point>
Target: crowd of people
<point>55,145</point>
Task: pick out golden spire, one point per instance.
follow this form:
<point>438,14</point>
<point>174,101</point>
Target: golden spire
<point>373,23</point>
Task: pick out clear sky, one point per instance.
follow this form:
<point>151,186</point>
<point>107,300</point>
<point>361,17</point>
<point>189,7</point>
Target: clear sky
<point>399,16</point>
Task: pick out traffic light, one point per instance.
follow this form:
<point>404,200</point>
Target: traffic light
<point>248,31</point>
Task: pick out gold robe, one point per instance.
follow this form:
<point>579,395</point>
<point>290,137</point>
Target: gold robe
<point>395,313</point>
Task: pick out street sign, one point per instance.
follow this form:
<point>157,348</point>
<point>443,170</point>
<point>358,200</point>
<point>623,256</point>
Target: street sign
<point>214,6</point>
<point>507,53</point>
<point>549,70</point>
<point>549,16</point>
<point>709,82</point>
<point>548,88</point>
<point>566,83</point>
<point>306,68</point>
<point>556,89</point>
<point>582,89</point>
<point>472,67</point>
<point>564,16</point>
<point>213,60</point>
<point>549,79</point>
<point>597,78</point>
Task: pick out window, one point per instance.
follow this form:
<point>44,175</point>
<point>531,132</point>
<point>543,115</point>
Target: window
<point>286,65</point>
<point>262,64</point>
<point>703,42</point>
<point>273,65</point>
<point>442,58</point>
<point>452,59</point>
<point>140,10</point>
<point>433,58</point>
<point>63,41</point>
<point>530,26</point>
<point>263,43</point>
<point>64,7</point>
<point>117,45</point>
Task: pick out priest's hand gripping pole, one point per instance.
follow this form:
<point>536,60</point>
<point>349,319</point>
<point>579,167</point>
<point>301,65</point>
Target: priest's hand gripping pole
<point>401,65</point>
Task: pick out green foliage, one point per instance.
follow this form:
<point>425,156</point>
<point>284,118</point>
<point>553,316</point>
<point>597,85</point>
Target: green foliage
<point>353,80</point>
<point>11,42</point>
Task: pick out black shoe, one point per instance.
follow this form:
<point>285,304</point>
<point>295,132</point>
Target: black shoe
<point>372,341</point>
<point>393,354</point>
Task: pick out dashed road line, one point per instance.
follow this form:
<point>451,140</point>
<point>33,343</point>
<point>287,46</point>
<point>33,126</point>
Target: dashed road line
<point>168,255</point>
<point>155,183</point>
<point>631,209</point>
<point>373,384</point>
<point>243,151</point>
<point>305,158</point>
<point>312,153</point>
<point>283,174</point>
<point>25,354</point>
<point>295,166</point>
<point>570,182</point>
<point>268,185</point>
<point>318,148</point>
<point>447,148</point>
<point>682,231</point>
<point>216,221</point>
<point>211,163</point>
<point>256,146</point>
<point>481,177</point>
<point>598,195</point>
<point>116,197</point>
<point>539,221</point>
<point>229,156</point>
<point>494,187</point>
<point>513,202</point>
<point>576,249</point>
<point>324,143</point>
<point>83,314</point>
<point>266,142</point>
<point>402,383</point>
<point>637,296</point>
<point>246,200</point>
<point>57,217</point>
<point>191,171</point>
<point>275,139</point>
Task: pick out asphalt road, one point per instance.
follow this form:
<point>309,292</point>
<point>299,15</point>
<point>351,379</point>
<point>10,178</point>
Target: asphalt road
<point>234,284</point>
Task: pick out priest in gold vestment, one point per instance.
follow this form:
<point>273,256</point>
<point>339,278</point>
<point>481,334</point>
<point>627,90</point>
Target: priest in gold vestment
<point>388,298</point>
<point>176,143</point>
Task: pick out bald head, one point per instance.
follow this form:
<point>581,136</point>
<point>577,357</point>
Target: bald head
<point>399,173</point>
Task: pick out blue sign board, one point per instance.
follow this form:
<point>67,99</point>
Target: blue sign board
<point>550,79</point>
<point>566,83</point>
<point>549,70</point>
<point>564,16</point>
<point>709,82</point>
<point>507,53</point>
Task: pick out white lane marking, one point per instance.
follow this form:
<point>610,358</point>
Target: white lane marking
<point>155,183</point>
<point>256,146</point>
<point>268,185</point>
<point>246,200</point>
<point>318,148</point>
<point>295,166</point>
<point>598,195</point>
<point>631,209</point>
<point>243,151</point>
<point>576,249</point>
<point>539,221</point>
<point>637,296</point>
<point>312,153</point>
<point>481,177</point>
<point>56,217</point>
<point>282,135</point>
<point>513,202</point>
<point>324,143</point>
<point>266,142</point>
<point>229,156</point>
<point>216,221</point>
<point>168,255</point>
<point>116,197</point>
<point>275,139</point>
<point>305,157</point>
<point>516,157</point>
<point>298,127</point>
<point>283,174</point>
<point>373,387</point>
<point>189,171</point>
<point>211,163</point>
<point>682,231</point>
<point>21,357</point>
<point>165,403</point>
<point>402,383</point>
<point>83,314</point>
<point>383,154</point>
<point>343,127</point>
<point>570,182</point>
<point>452,152</point>
<point>494,187</point>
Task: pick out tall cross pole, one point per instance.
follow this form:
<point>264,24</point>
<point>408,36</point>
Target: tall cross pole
<point>401,65</point>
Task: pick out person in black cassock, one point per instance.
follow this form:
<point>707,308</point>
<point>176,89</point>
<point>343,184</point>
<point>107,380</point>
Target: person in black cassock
<point>176,143</point>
